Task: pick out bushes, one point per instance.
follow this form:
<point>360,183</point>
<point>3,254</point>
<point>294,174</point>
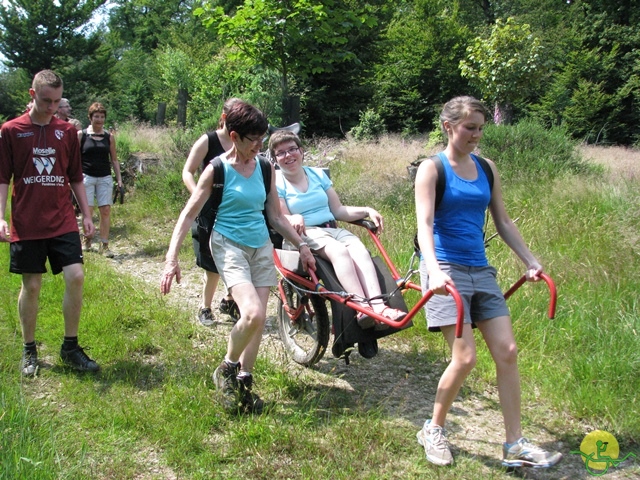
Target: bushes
<point>530,151</point>
<point>370,127</point>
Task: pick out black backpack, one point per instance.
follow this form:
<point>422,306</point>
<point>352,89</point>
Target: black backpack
<point>441,181</point>
<point>207,217</point>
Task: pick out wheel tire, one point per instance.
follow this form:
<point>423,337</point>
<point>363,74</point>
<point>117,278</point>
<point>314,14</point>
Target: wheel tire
<point>306,339</point>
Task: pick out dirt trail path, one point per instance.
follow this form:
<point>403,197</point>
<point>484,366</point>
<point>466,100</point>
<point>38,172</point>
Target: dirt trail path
<point>403,389</point>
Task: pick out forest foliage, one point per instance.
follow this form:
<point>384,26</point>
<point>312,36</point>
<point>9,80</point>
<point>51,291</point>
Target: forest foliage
<point>568,63</point>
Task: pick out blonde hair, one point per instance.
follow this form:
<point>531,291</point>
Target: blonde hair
<point>46,78</point>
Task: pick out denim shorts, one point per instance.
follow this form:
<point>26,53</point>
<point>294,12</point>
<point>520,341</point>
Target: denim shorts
<point>100,189</point>
<point>478,288</point>
<point>241,264</point>
<point>30,256</point>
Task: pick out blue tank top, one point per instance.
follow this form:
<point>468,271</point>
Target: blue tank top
<point>313,204</point>
<point>240,217</point>
<point>458,223</point>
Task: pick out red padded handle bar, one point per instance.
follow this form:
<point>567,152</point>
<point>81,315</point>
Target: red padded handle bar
<point>553,293</point>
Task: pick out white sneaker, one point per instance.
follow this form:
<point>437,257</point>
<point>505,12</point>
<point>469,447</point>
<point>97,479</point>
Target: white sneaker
<point>436,446</point>
<point>523,453</point>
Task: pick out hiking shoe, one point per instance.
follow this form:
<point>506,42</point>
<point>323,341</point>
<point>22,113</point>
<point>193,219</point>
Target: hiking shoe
<point>86,244</point>
<point>29,364</point>
<point>250,402</point>
<point>523,453</point>
<point>230,307</point>
<point>78,360</point>
<point>436,446</point>
<point>205,316</point>
<point>104,250</point>
<point>226,382</point>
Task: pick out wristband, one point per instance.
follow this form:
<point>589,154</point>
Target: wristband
<point>302,244</point>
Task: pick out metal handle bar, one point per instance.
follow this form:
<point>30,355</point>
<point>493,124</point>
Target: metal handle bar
<point>409,316</point>
<point>553,293</point>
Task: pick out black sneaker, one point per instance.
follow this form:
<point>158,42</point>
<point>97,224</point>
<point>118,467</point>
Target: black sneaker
<point>250,402</point>
<point>205,316</point>
<point>78,360</point>
<point>29,364</point>
<point>226,382</point>
<point>230,307</point>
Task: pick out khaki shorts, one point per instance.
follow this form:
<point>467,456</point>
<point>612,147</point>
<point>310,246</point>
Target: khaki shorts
<point>318,238</point>
<point>241,264</point>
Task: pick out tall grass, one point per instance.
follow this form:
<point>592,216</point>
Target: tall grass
<point>152,412</point>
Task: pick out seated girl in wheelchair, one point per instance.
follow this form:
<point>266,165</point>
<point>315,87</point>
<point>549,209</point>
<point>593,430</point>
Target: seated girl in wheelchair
<point>312,206</point>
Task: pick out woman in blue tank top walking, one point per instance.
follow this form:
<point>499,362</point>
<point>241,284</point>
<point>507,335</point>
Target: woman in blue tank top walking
<point>241,249</point>
<point>452,246</point>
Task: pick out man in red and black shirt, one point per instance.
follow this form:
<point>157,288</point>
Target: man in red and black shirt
<point>41,154</point>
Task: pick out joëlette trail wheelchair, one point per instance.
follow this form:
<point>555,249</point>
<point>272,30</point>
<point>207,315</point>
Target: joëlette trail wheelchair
<point>303,319</point>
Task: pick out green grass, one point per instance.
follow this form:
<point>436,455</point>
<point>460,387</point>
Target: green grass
<point>152,413</point>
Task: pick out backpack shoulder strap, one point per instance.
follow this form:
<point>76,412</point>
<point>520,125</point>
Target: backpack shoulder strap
<point>265,165</point>
<point>218,183</point>
<point>487,170</point>
<point>441,180</point>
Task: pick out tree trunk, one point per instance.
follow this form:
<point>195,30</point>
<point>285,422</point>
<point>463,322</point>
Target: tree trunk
<point>183,96</point>
<point>291,110</point>
<point>162,110</point>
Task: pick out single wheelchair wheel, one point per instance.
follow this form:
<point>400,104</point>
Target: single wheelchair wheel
<point>306,338</point>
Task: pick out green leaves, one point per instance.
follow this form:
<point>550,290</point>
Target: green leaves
<point>507,65</point>
<point>300,37</point>
<point>34,33</point>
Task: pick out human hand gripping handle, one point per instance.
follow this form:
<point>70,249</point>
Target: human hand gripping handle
<point>171,269</point>
<point>376,218</point>
<point>534,273</point>
<point>438,281</point>
<point>306,258</point>
<point>534,269</point>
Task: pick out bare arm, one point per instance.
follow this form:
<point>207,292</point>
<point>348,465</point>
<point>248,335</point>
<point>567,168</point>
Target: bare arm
<point>81,196</point>
<point>5,234</point>
<point>508,230</point>
<point>296,220</point>
<point>194,160</point>
<point>280,223</point>
<point>114,159</point>
<point>425,192</point>
<point>350,214</point>
<point>189,213</point>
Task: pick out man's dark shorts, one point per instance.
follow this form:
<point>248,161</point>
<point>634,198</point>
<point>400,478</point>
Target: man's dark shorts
<point>30,256</point>
<point>203,258</point>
